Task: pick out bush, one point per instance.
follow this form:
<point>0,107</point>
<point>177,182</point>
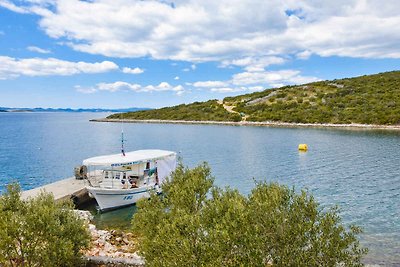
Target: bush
<point>197,224</point>
<point>281,94</point>
<point>39,232</point>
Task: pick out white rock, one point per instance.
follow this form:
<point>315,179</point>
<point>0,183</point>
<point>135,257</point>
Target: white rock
<point>84,215</point>
<point>92,227</point>
<point>136,256</point>
<point>108,247</point>
<point>103,234</point>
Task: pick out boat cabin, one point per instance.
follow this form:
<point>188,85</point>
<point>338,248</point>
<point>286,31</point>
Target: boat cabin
<point>133,170</point>
<point>122,179</point>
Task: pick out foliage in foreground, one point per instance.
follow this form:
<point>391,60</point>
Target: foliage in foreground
<point>198,224</point>
<point>39,232</point>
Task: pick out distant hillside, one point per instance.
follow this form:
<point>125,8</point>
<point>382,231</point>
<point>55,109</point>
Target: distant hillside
<point>369,99</point>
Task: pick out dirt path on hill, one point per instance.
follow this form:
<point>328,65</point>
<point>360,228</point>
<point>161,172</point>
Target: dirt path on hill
<point>230,109</point>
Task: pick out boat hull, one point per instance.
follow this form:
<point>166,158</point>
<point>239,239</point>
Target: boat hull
<point>109,199</point>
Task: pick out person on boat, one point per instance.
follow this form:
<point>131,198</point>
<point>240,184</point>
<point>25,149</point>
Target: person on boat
<point>133,181</point>
<point>134,185</point>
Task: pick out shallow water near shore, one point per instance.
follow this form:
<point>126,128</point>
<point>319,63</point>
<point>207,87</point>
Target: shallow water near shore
<point>355,169</point>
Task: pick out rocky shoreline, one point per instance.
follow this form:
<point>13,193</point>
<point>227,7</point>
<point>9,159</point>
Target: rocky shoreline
<point>351,126</point>
<point>109,247</point>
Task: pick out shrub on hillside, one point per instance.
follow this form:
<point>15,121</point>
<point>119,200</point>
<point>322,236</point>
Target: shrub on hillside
<point>39,232</point>
<point>197,224</point>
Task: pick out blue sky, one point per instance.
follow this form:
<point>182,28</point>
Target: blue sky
<point>128,53</point>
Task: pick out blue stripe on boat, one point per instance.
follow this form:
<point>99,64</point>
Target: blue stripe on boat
<point>114,194</point>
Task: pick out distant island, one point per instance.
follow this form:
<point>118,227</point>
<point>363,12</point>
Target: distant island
<point>369,99</point>
<point>6,109</point>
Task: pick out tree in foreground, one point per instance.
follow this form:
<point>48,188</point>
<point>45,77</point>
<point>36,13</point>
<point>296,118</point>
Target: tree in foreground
<point>39,232</point>
<point>195,223</point>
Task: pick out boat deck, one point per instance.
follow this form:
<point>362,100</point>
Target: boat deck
<point>69,188</point>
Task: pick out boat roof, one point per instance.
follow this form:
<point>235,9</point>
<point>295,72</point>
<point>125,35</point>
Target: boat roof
<point>130,158</point>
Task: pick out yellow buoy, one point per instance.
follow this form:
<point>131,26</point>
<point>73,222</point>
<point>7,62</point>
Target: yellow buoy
<point>303,147</point>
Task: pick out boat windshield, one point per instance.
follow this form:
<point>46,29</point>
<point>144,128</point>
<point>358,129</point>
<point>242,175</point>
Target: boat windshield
<point>124,177</point>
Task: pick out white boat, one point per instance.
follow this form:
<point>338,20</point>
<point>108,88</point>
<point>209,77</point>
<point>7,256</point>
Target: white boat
<point>122,179</point>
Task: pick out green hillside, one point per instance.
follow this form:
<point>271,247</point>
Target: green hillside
<point>197,111</point>
<point>369,99</point>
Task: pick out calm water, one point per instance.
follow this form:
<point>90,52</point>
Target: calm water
<point>357,170</point>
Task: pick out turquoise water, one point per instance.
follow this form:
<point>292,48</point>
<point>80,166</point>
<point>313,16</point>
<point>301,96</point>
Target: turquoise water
<point>357,170</point>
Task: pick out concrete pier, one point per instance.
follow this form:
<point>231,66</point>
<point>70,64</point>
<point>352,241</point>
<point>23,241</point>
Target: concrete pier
<point>69,188</point>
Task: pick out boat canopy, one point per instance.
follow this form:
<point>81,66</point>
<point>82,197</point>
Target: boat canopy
<point>131,158</point>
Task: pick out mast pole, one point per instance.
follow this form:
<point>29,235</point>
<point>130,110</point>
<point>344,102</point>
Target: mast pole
<point>122,136</point>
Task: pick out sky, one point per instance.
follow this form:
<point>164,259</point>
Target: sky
<point>150,53</point>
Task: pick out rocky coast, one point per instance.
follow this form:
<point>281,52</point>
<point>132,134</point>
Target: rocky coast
<point>352,126</point>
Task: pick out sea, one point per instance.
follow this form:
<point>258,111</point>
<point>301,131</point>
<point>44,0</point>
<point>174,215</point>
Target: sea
<point>356,170</point>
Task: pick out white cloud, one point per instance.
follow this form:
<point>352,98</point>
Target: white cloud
<point>257,88</point>
<point>256,81</point>
<point>226,89</point>
<point>132,71</point>
<point>210,84</point>
<point>237,89</point>
<point>164,86</point>
<point>13,7</point>
<point>38,50</point>
<point>207,30</point>
<point>176,78</point>
<point>193,67</point>
<point>304,54</point>
<point>179,89</point>
<point>125,86</point>
<point>85,90</point>
<point>12,67</point>
<point>271,77</point>
<point>117,86</point>
<point>254,63</point>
